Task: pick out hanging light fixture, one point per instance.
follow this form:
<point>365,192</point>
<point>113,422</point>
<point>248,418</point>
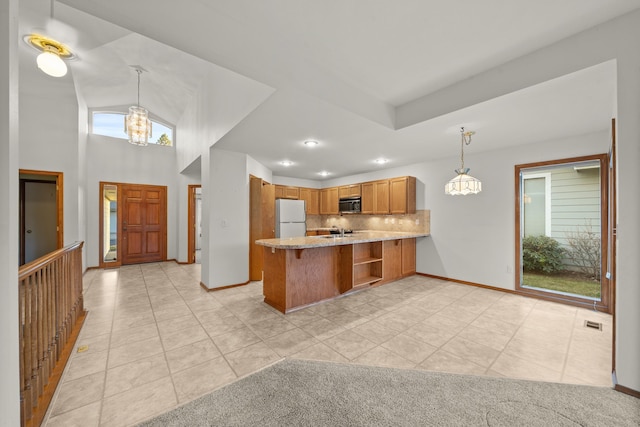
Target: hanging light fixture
<point>464,183</point>
<point>137,124</point>
<point>52,54</point>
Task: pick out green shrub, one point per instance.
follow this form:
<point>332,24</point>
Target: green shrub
<point>541,254</point>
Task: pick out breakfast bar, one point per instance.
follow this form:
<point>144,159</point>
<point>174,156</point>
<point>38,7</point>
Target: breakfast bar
<point>302,271</point>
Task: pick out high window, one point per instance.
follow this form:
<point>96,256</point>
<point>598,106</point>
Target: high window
<point>109,123</point>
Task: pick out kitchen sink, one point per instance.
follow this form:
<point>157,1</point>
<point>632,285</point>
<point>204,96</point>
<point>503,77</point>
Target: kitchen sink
<point>333,236</point>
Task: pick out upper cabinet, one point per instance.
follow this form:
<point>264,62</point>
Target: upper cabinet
<point>402,195</point>
<point>312,198</point>
<point>382,197</point>
<point>329,201</point>
<point>375,197</point>
<point>287,192</point>
<point>349,191</point>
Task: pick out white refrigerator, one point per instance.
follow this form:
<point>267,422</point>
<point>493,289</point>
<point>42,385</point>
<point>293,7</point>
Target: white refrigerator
<point>290,218</point>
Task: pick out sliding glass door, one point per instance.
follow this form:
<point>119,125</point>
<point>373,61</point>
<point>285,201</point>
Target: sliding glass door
<point>561,230</point>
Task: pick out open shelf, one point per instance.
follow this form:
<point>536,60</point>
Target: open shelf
<point>366,260</point>
<point>367,280</point>
<point>367,263</point>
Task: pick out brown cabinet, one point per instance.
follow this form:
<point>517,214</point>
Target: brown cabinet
<point>408,257</point>
<point>287,192</point>
<point>312,198</point>
<point>392,260</point>
<point>375,197</point>
<point>366,203</point>
<point>349,191</point>
<point>402,195</point>
<point>329,201</point>
<point>399,259</point>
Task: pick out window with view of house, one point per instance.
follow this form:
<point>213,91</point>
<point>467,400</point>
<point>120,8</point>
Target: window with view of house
<point>108,123</point>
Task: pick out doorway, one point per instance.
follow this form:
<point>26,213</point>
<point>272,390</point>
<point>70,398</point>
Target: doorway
<point>562,231</point>
<point>133,224</point>
<point>194,224</point>
<point>40,215</point>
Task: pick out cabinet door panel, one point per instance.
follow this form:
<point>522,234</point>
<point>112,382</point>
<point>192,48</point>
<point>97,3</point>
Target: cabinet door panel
<point>366,205</point>
<point>408,256</point>
<point>381,197</point>
<point>392,261</point>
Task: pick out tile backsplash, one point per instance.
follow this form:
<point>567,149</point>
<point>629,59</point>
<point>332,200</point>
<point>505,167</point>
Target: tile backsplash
<point>418,222</point>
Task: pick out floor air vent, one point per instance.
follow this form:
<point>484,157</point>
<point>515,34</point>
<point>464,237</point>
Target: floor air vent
<point>593,325</point>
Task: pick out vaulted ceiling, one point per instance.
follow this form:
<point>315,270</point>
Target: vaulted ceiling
<point>342,71</point>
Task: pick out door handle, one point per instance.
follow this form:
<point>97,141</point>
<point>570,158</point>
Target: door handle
<point>29,231</point>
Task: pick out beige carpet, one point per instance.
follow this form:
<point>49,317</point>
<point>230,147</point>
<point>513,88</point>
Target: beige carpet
<point>306,393</point>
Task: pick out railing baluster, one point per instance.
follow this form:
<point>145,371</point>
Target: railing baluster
<point>51,301</point>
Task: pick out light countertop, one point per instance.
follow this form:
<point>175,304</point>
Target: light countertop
<point>336,240</point>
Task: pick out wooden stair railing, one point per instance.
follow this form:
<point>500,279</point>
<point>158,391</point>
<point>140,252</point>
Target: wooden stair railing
<point>51,314</point>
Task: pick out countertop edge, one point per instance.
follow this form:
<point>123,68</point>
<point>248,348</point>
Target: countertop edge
<point>320,242</point>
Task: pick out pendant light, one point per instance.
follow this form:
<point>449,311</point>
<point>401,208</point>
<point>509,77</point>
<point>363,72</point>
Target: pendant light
<point>137,124</point>
<point>463,183</point>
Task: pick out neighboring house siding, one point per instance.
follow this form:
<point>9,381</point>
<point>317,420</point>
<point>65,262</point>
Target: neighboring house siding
<point>575,204</point>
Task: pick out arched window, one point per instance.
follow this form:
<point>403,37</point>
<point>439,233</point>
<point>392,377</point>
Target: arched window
<point>110,123</point>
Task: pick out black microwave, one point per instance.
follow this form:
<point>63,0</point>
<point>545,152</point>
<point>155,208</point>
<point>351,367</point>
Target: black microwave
<point>349,205</point>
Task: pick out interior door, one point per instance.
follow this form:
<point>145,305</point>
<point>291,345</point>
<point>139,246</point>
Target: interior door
<point>40,219</point>
<point>144,223</point>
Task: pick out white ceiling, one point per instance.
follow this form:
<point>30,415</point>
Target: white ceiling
<point>340,68</point>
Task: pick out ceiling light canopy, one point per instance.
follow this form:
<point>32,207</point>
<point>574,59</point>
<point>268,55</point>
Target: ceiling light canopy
<point>137,123</point>
<point>463,183</point>
<point>52,54</point>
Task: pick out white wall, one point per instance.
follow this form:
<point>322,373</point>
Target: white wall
<point>9,364</point>
<point>227,215</point>
<point>115,160</point>
<point>298,182</point>
<point>258,170</point>
<point>49,137</point>
<point>83,134</point>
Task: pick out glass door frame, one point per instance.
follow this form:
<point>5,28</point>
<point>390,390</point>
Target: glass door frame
<point>606,295</point>
<point>118,261</point>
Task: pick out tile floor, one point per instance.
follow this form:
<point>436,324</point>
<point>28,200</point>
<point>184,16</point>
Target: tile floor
<point>156,339</point>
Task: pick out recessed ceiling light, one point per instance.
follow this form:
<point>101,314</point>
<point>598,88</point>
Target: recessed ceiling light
<point>324,173</point>
<point>381,161</point>
<point>286,163</point>
<point>310,143</point>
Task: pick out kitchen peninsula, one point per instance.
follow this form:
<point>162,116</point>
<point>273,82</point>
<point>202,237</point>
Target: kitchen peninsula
<point>302,271</point>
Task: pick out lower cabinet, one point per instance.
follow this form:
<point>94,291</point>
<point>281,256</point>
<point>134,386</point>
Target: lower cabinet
<point>408,257</point>
<point>399,259</point>
<point>372,263</point>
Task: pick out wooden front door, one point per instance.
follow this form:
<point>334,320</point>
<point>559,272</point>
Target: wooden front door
<point>144,223</point>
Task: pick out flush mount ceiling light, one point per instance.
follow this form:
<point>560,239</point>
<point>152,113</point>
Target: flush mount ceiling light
<point>463,183</point>
<point>137,124</point>
<point>310,143</point>
<point>381,161</point>
<point>286,163</point>
<point>323,173</point>
<point>52,54</point>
